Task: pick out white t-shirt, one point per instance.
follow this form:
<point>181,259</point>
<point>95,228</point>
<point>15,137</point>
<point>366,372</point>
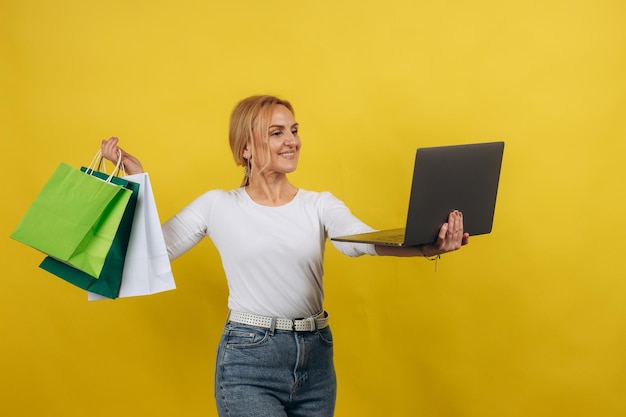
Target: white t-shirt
<point>272,256</point>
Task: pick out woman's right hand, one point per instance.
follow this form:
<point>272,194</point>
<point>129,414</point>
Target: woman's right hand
<point>110,151</point>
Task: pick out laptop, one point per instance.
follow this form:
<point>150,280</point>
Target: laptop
<point>446,178</point>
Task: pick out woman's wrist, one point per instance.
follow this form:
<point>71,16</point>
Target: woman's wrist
<point>435,256</point>
<point>428,251</point>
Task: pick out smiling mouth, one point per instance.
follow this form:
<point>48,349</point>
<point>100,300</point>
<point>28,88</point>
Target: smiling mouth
<point>287,154</point>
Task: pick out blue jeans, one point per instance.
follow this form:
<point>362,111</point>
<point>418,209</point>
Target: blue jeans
<point>279,373</point>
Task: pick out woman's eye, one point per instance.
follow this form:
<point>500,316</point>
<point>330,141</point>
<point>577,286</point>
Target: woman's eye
<point>276,133</point>
<point>294,132</point>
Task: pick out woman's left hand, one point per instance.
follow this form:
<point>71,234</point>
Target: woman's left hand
<point>451,236</point>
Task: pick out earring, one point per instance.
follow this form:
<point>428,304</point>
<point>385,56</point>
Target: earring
<point>247,169</point>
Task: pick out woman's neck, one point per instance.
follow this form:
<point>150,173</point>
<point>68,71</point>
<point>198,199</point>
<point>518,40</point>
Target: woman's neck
<point>271,192</point>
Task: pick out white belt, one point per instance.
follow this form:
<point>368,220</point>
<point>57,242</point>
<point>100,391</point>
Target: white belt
<point>308,324</point>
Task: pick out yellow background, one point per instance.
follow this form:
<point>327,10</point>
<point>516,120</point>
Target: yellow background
<point>527,321</point>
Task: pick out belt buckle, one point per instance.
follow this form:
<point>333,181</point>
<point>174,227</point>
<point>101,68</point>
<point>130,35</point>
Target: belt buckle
<point>310,320</point>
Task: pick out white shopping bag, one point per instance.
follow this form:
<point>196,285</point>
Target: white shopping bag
<point>147,268</point>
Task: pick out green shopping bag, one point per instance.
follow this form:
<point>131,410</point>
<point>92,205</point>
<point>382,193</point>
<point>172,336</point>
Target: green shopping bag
<point>74,218</point>
<point>109,281</point>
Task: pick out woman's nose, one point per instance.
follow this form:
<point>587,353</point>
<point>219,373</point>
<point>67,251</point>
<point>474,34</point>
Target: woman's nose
<point>291,139</point>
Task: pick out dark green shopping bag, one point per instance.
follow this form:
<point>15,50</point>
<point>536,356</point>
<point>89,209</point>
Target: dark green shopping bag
<point>109,281</point>
<point>74,219</point>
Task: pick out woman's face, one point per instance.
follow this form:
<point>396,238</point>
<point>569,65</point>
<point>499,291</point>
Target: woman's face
<point>284,143</point>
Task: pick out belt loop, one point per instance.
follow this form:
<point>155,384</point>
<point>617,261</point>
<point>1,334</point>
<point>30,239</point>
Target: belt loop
<point>272,326</point>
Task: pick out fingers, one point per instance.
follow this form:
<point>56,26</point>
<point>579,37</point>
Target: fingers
<point>443,232</point>
<point>451,235</point>
<point>110,150</point>
<point>455,222</point>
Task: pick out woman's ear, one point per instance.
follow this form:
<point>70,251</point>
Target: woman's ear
<point>246,153</point>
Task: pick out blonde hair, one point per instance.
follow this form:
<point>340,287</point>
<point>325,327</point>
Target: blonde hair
<point>249,115</point>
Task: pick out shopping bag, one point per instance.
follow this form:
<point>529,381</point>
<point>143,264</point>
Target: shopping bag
<point>108,282</point>
<point>74,218</point>
<point>147,268</point>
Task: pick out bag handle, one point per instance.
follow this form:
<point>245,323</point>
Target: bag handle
<point>119,169</point>
<point>98,161</point>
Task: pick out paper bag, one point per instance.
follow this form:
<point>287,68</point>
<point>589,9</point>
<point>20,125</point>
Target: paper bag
<point>74,219</point>
<point>147,268</point>
<point>109,281</point>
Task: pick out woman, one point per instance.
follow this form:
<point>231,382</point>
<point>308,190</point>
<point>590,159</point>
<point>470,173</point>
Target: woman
<point>275,357</point>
